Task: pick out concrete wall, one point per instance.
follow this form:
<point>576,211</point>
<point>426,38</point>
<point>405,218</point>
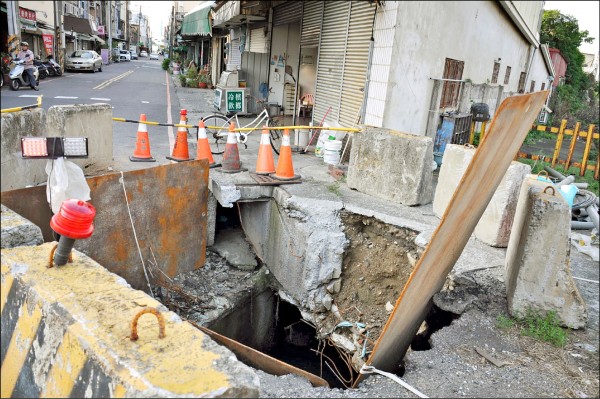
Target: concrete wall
<point>424,35</point>
<point>18,231</point>
<point>538,73</point>
<point>391,165</point>
<point>16,171</point>
<point>93,121</point>
<point>65,333</point>
<point>537,273</point>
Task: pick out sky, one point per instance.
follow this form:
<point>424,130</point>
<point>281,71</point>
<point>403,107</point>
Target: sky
<point>586,13</point>
<point>157,12</point>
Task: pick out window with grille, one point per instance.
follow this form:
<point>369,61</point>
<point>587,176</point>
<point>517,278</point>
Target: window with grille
<point>543,86</point>
<point>507,75</point>
<point>495,72</point>
<point>532,87</point>
<point>521,88</point>
<point>453,70</point>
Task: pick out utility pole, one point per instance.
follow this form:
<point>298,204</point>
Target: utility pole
<point>13,22</point>
<point>109,25</point>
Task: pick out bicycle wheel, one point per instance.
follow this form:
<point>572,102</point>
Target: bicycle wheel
<point>217,138</point>
<point>276,135</point>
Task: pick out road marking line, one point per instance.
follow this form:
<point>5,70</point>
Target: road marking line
<point>169,118</point>
<point>112,80</point>
<point>29,95</point>
<point>145,102</point>
<point>100,99</point>
<point>67,97</point>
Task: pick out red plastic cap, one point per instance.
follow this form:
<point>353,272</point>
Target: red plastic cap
<point>74,219</point>
<point>183,112</point>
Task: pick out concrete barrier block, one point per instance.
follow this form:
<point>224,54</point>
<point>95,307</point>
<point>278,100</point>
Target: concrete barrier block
<point>495,224</point>
<point>16,171</point>
<point>93,121</point>
<point>65,333</point>
<point>18,231</point>
<point>392,165</point>
<point>538,274</point>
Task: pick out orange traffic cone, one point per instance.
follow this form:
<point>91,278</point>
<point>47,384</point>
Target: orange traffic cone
<point>142,145</point>
<point>231,157</point>
<point>180,150</point>
<point>264,162</point>
<point>203,148</point>
<point>285,168</point>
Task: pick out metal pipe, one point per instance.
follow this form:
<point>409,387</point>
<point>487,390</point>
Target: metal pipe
<point>65,245</point>
<point>566,181</point>
<point>581,185</point>
<point>580,212</point>
<point>576,225</point>
<point>554,173</point>
<point>592,211</point>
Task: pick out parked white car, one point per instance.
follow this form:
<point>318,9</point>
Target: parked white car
<point>153,56</point>
<point>124,55</point>
<point>143,53</point>
<point>84,60</point>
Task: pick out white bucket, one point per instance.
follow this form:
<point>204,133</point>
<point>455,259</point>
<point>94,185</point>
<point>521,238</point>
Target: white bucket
<point>301,137</point>
<point>331,151</point>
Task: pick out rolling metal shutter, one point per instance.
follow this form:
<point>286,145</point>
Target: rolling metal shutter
<point>331,60</point>
<point>258,41</point>
<point>311,24</point>
<point>355,64</point>
<point>287,13</point>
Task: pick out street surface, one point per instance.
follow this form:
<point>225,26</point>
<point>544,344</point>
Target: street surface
<point>131,88</point>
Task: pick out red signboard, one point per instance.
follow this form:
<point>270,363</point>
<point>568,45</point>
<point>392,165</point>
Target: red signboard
<point>27,14</point>
<point>48,42</point>
<point>101,30</point>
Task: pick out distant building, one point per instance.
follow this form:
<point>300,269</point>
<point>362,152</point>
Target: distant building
<point>560,66</point>
<point>590,65</point>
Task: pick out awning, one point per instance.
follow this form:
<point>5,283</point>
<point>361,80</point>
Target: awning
<point>83,36</point>
<point>29,26</point>
<point>196,22</point>
<point>79,25</point>
<point>98,39</point>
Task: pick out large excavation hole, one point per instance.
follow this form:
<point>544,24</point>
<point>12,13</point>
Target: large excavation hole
<point>227,218</point>
<point>289,339</point>
<point>436,320</point>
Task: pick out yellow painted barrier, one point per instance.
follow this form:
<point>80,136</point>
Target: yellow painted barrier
<point>76,319</point>
<point>16,109</point>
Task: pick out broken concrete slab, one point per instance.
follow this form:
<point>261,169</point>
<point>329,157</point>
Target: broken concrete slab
<point>231,245</point>
<point>18,231</point>
<point>495,224</point>
<point>392,165</point>
<point>538,274</point>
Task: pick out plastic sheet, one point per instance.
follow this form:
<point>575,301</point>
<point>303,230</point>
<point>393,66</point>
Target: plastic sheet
<point>65,181</point>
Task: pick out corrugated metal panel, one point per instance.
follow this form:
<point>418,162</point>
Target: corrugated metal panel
<point>356,62</point>
<point>311,23</point>
<point>287,13</point>
<point>258,41</point>
<point>331,60</point>
<point>235,56</point>
<point>256,70</point>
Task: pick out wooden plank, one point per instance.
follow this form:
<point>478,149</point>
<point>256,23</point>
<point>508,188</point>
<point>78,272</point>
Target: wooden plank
<point>559,141</point>
<point>572,146</point>
<point>586,151</point>
<point>507,131</point>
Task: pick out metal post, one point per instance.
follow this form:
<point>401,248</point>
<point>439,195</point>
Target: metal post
<point>13,27</point>
<point>109,25</point>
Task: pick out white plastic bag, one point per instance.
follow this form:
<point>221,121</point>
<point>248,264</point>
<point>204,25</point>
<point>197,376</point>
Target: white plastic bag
<point>65,181</point>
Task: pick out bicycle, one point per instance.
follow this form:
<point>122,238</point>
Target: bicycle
<point>220,135</point>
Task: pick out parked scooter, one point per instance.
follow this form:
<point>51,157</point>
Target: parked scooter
<point>53,67</point>
<point>41,67</point>
<point>18,78</point>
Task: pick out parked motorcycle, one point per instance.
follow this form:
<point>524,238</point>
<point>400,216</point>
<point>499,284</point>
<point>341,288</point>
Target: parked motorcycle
<point>41,67</point>
<point>18,78</point>
<point>53,67</point>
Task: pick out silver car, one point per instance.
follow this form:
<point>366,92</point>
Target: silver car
<point>84,60</point>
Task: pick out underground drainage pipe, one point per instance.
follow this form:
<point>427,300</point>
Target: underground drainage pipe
<point>576,225</point>
<point>592,212</point>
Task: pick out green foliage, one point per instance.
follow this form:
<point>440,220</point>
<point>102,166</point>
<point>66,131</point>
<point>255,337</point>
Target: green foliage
<point>182,80</point>
<point>165,63</point>
<point>335,188</point>
<point>203,76</point>
<point>577,99</point>
<point>537,166</point>
<point>544,328</point>
<point>192,73</point>
<point>192,82</point>
<point>536,135</point>
<point>504,322</point>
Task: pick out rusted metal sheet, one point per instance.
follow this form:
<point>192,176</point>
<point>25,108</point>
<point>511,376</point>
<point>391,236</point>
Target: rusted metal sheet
<point>168,205</point>
<point>490,162</point>
<point>259,360</point>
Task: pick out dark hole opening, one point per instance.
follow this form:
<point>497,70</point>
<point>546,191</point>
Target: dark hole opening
<point>436,320</point>
<point>227,218</point>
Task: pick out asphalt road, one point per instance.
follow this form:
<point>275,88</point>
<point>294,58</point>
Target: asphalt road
<point>131,88</point>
